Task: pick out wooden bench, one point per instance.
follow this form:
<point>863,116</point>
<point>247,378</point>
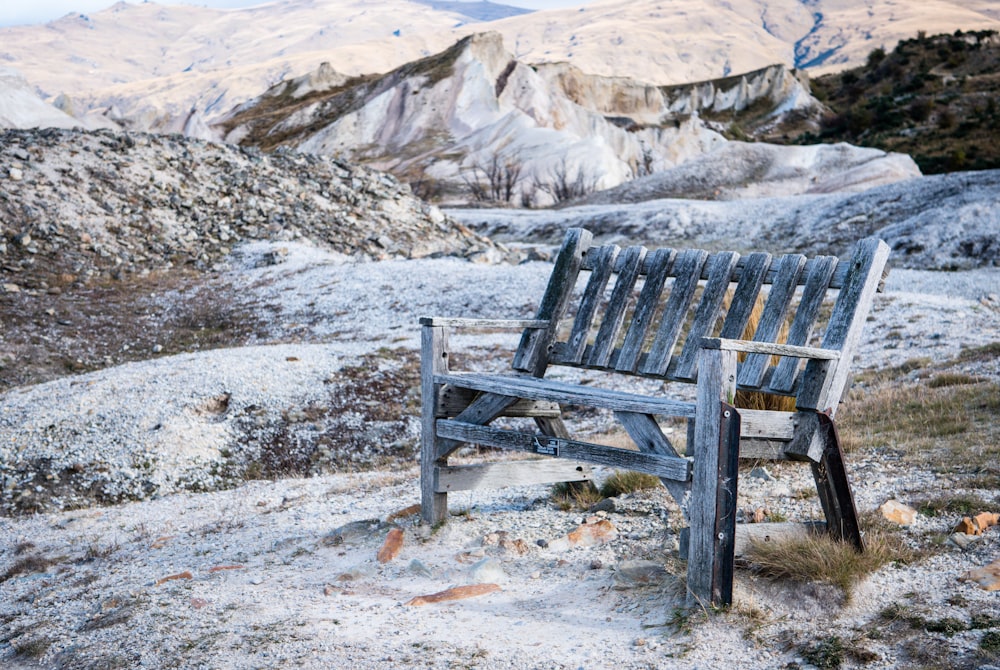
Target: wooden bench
<point>675,316</point>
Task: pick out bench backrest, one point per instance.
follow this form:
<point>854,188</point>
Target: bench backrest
<point>645,313</point>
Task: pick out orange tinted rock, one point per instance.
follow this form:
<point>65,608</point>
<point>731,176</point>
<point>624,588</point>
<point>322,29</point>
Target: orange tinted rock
<point>759,515</point>
<point>968,527</point>
<point>986,519</point>
<point>220,568</point>
<point>987,577</point>
<point>455,593</point>
<point>898,513</point>
<point>170,578</point>
<point>586,535</point>
<point>392,546</point>
<point>161,542</point>
<point>403,513</point>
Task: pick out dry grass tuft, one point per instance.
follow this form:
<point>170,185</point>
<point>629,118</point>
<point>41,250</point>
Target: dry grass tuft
<point>819,558</point>
<point>627,481</point>
<point>575,495</point>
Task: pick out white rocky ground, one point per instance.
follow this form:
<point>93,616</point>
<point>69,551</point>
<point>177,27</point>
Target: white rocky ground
<point>281,574</point>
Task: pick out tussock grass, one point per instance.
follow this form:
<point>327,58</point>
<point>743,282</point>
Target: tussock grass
<point>575,495</point>
<point>627,481</point>
<point>819,558</point>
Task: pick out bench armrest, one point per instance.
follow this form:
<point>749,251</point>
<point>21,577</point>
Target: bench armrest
<point>750,347</point>
<point>503,324</point>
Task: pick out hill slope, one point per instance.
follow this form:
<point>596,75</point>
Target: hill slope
<point>935,98</point>
<point>187,61</point>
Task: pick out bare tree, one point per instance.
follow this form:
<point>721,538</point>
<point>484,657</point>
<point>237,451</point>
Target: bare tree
<point>562,187</point>
<point>494,181</point>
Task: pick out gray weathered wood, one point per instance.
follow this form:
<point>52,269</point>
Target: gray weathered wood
<point>716,386</point>
<point>755,267</point>
<point>807,443</point>
<point>593,294</point>
<point>822,391</point>
<point>564,393</point>
<point>720,269</point>
<point>761,533</point>
<point>482,410</point>
<point>509,473</point>
<point>662,466</point>
<point>489,324</point>
<point>770,348</point>
<point>688,268</point>
<point>453,400</point>
<point>645,309</point>
<point>614,315</point>
<point>817,280</point>
<point>648,436</point>
<point>778,299</point>
<point>531,355</point>
<point>433,359</point>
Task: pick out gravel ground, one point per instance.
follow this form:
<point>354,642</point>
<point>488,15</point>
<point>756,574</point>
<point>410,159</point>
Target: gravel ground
<point>268,580</point>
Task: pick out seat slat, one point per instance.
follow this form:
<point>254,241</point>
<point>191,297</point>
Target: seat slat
<point>720,270</point>
<point>817,281</point>
<point>659,267</point>
<point>688,269</point>
<point>614,317</point>
<point>604,265</point>
<point>778,300</point>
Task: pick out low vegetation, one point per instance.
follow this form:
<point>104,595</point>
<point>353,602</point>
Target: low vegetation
<point>935,98</point>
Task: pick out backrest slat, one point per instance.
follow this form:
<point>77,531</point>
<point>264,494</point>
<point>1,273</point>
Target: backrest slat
<point>755,266</point>
<point>819,390</point>
<point>779,298</point>
<point>604,264</point>
<point>629,266</point>
<point>531,355</point>
<point>688,270</point>
<point>818,276</point>
<point>658,265</point>
<point>720,269</point>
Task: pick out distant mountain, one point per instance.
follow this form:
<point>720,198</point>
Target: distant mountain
<point>185,66</point>
<point>477,11</point>
<point>935,98</point>
<point>474,122</point>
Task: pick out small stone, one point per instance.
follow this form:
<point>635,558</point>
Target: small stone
<point>967,527</point>
<point>418,567</point>
<point>633,573</point>
<point>487,571</point>
<point>640,642</point>
<point>604,505</point>
<point>15,174</point>
<point>898,513</point>
<point>403,513</point>
<point>392,546</point>
<point>157,348</point>
<point>986,519</point>
<point>961,540</point>
<point>455,593</point>
<point>596,564</point>
<point>11,288</point>
<point>199,603</point>
<point>169,578</point>
<point>759,515</point>
<point>987,577</point>
<point>586,535</point>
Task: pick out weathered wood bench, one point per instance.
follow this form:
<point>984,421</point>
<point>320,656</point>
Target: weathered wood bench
<point>675,316</point>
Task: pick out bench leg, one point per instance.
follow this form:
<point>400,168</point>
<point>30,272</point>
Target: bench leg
<point>834,488</point>
<point>433,360</point>
<point>713,487</point>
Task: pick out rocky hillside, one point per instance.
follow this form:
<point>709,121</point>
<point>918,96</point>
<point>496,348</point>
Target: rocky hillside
<point>185,61</point>
<point>935,98</point>
<point>473,121</point>
<point>75,205</point>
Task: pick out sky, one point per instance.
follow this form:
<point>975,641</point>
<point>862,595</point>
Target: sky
<point>21,12</point>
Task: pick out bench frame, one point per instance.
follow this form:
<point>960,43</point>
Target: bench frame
<point>635,332</point>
